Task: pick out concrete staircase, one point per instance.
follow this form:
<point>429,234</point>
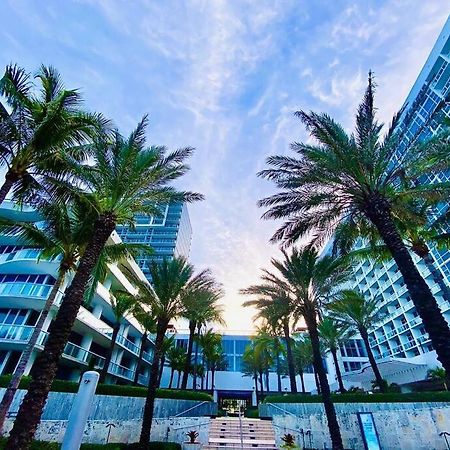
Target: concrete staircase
<point>240,433</point>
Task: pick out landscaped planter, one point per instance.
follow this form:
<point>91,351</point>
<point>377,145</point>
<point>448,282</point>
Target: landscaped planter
<point>189,446</point>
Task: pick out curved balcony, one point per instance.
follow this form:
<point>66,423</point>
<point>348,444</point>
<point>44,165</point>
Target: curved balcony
<point>15,262</point>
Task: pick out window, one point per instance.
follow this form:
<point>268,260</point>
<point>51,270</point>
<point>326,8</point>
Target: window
<point>240,346</point>
<point>228,347</point>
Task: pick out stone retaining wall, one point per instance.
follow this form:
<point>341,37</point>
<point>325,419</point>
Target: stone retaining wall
<point>404,426</point>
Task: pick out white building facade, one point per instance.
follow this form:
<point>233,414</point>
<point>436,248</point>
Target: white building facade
<point>25,283</point>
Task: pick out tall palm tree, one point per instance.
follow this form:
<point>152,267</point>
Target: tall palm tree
<point>147,321</point>
<point>175,356</point>
<point>122,178</point>
<point>303,357</point>
<point>37,126</point>
<point>251,366</point>
<point>211,344</point>
<point>171,281</point>
<point>419,229</point>
<point>358,177</point>
<point>63,236</point>
<point>122,303</point>
<point>351,309</point>
<point>274,304</point>
<point>200,308</point>
<point>333,335</point>
<point>168,343</point>
<point>312,282</point>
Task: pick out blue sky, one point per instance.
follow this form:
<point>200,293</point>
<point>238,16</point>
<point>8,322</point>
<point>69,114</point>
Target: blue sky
<point>225,77</point>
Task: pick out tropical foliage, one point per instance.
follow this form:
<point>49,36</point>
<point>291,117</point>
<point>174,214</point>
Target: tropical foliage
<point>359,179</point>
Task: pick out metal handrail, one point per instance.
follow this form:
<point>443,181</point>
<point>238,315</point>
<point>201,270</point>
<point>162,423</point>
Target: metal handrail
<point>240,428</point>
<point>190,426</point>
<point>190,409</point>
<point>281,409</point>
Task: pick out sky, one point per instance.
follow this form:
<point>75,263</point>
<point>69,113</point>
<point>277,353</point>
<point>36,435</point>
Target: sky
<point>225,77</point>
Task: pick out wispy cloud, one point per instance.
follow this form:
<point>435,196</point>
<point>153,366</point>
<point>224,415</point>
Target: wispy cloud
<point>226,77</point>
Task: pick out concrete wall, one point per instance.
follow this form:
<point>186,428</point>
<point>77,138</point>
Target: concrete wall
<point>405,426</point>
<point>110,407</point>
<point>125,431</point>
<point>125,416</point>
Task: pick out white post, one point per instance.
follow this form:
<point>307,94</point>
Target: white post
<point>80,411</point>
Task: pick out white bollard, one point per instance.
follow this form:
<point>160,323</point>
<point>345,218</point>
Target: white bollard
<point>80,411</point>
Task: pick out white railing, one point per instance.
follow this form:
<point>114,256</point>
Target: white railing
<point>15,288</point>
<point>17,333</point>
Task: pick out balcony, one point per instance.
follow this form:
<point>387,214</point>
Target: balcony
<point>18,289</point>
<point>409,344</point>
<point>422,339</point>
<point>15,333</point>
<point>385,354</point>
<point>397,349</point>
<point>147,356</point>
<point>121,371</point>
<point>403,328</point>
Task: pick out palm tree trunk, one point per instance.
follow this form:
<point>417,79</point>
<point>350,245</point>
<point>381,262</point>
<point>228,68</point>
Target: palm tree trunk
<point>171,377</point>
<point>333,425</point>
<point>379,379</point>
<point>139,361</point>
<point>203,376</point>
<point>338,371</point>
<point>10,179</point>
<point>261,384</point>
<point>255,377</point>
<point>378,211</point>
<point>290,358</point>
<point>302,381</point>
<point>45,366</point>
<point>108,357</point>
<point>437,276</point>
<point>316,379</point>
<point>196,359</point>
<point>144,439</point>
<point>213,373</point>
<point>13,385</point>
<point>187,365</point>
<point>161,368</point>
<point>207,379</point>
<point>267,376</point>
<point>279,373</point>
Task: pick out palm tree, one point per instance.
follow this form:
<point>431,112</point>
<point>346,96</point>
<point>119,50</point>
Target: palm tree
<point>63,237</point>
<point>438,374</point>
<point>211,344</point>
<point>359,178</point>
<point>313,281</point>
<point>303,357</point>
<point>122,179</point>
<point>122,303</point>
<point>200,307</point>
<point>168,343</point>
<point>175,356</point>
<point>351,309</point>
<point>267,340</point>
<point>148,323</point>
<point>276,305</point>
<point>171,281</point>
<point>251,366</point>
<point>333,335</point>
<point>413,223</point>
<point>37,126</point>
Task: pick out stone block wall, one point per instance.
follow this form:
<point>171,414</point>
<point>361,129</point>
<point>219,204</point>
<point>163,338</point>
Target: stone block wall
<point>404,426</point>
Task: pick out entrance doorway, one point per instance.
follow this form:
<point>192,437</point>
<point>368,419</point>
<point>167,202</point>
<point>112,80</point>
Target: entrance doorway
<point>232,401</point>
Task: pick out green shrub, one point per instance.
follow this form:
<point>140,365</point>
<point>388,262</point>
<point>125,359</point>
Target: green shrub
<point>36,445</point>
<point>391,397</point>
<point>252,412</point>
<point>115,389</point>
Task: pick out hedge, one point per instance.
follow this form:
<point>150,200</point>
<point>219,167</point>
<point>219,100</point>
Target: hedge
<point>392,397</point>
<point>115,389</point>
<point>40,445</point>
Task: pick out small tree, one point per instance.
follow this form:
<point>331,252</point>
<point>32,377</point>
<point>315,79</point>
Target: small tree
<point>359,313</point>
<point>439,374</point>
<point>303,357</point>
<point>333,335</point>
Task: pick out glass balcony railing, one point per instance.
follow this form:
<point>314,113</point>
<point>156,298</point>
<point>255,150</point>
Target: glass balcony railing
<point>28,253</point>
<point>143,379</point>
<point>15,288</point>
<point>147,356</point>
<point>17,333</point>
<point>122,340</point>
<point>121,371</point>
